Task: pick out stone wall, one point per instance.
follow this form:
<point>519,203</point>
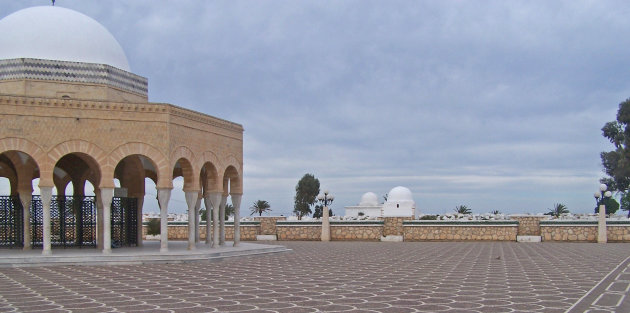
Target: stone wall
<point>459,231</point>
<point>416,230</point>
<point>268,224</point>
<point>618,233</point>
<point>583,231</point>
<point>528,225</point>
<point>393,226</point>
<point>299,230</point>
<point>179,231</point>
<point>363,231</point>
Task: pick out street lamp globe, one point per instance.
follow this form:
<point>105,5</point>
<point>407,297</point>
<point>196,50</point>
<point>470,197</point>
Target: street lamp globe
<point>597,195</point>
<point>603,187</point>
<point>608,194</point>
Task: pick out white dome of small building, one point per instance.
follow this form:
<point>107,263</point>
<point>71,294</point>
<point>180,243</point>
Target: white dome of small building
<point>399,203</point>
<point>400,193</point>
<point>55,33</point>
<point>369,199</point>
<point>368,206</point>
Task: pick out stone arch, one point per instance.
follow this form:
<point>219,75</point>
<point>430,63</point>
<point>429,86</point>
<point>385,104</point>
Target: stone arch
<point>208,156</point>
<point>161,164</point>
<point>35,152</point>
<point>209,178</point>
<point>232,177</point>
<point>183,165</point>
<point>90,153</point>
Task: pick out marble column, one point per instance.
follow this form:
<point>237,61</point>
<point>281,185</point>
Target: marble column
<point>164,195</point>
<point>236,202</point>
<point>207,202</point>
<point>46,197</point>
<point>216,202</point>
<point>106,195</point>
<point>222,219</point>
<point>99,219</point>
<point>26,197</point>
<point>197,207</point>
<point>191,201</point>
<point>602,237</point>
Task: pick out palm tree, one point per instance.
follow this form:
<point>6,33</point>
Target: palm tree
<point>260,207</point>
<point>496,212</point>
<point>558,209</point>
<point>462,209</point>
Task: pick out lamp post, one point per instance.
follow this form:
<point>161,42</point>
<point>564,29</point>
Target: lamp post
<point>600,199</point>
<point>326,199</point>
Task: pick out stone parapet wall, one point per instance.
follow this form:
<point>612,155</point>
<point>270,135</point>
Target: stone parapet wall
<point>618,233</point>
<point>460,231</point>
<point>268,224</point>
<point>343,231</point>
<point>393,226</point>
<point>179,231</point>
<point>299,230</point>
<point>528,225</point>
<point>415,230</point>
<point>583,231</point>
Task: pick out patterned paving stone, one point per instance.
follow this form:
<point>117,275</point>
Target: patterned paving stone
<point>341,277</point>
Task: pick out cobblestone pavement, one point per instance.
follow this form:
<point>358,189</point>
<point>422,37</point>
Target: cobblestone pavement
<point>335,277</point>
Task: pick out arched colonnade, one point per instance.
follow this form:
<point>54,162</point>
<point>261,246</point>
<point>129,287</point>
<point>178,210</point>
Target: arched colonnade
<point>206,177</point>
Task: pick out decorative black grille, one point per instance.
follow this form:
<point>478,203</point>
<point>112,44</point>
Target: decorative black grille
<point>37,222</point>
<point>72,221</point>
<point>11,225</point>
<point>124,222</point>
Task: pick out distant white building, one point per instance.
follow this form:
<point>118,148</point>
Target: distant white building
<point>368,206</point>
<point>399,203</point>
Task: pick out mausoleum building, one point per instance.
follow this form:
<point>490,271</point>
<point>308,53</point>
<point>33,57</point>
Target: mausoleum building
<point>71,112</point>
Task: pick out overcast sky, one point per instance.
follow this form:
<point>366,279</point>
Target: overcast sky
<point>496,105</point>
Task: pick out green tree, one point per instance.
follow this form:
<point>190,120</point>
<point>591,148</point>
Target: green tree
<point>616,163</point>
<point>462,209</point>
<point>260,207</point>
<point>496,212</point>
<point>306,192</point>
<point>558,209</point>
<point>154,227</point>
<point>611,206</point>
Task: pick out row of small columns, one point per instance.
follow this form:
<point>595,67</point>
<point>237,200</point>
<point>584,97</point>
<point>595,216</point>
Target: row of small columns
<point>215,236</point>
<point>104,197</point>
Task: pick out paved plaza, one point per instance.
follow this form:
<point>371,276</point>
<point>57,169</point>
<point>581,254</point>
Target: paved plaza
<point>342,277</point>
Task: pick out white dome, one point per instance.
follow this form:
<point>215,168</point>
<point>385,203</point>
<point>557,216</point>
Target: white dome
<point>369,199</point>
<point>399,194</point>
<point>54,33</point>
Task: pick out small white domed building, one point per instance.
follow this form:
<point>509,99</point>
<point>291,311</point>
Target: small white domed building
<point>399,203</point>
<point>368,206</point>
